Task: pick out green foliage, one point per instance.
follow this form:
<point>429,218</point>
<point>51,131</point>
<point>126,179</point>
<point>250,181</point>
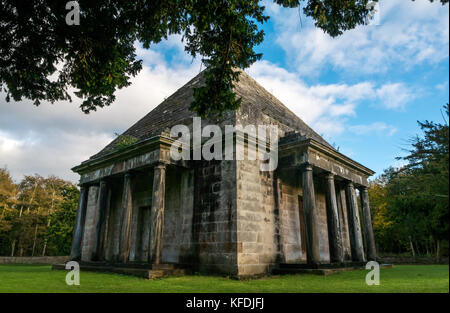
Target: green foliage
<point>59,233</point>
<point>36,215</point>
<point>411,203</point>
<point>98,56</point>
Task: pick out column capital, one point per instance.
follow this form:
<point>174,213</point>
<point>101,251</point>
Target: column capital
<point>306,167</point>
<point>161,165</point>
<point>363,188</point>
<point>128,174</point>
<point>329,176</point>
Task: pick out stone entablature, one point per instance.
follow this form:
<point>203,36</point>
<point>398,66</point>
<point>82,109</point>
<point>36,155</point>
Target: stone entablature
<point>295,151</point>
<point>140,155</point>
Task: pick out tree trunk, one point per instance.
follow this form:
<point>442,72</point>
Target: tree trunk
<point>13,246</point>
<point>438,251</point>
<point>34,241</point>
<point>45,247</point>
<point>412,248</point>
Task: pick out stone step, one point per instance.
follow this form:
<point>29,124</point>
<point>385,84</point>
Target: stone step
<point>161,270</point>
<point>321,272</point>
<point>325,270</point>
<point>321,265</point>
<point>163,266</point>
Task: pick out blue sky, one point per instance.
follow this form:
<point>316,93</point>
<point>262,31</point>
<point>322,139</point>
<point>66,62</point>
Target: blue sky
<point>363,91</point>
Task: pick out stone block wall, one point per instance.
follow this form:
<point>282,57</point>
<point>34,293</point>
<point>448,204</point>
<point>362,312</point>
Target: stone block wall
<point>179,202</point>
<point>214,220</point>
<point>293,246</point>
<point>34,259</point>
<point>257,226</point>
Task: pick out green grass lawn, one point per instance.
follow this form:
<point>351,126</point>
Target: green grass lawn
<point>401,278</point>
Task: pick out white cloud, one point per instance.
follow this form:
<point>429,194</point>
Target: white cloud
<point>327,108</point>
<point>51,139</point>
<point>442,86</point>
<point>394,95</point>
<point>376,127</point>
<point>410,33</point>
<point>308,102</point>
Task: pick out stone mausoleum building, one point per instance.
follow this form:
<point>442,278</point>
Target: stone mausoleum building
<point>139,207</point>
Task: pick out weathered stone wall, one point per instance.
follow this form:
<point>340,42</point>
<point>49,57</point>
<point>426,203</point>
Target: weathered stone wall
<point>142,184</point>
<point>264,213</point>
<point>257,227</point>
<point>90,224</point>
<point>269,223</point>
<point>177,235</point>
<point>34,259</point>
<point>179,201</point>
<point>293,249</point>
<point>214,224</point>
<point>113,220</point>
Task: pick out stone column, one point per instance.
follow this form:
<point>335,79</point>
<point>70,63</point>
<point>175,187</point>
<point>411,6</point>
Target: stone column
<point>367,222</point>
<point>334,233</point>
<point>79,224</point>
<point>144,253</point>
<point>125,220</point>
<point>312,222</point>
<point>100,218</point>
<point>157,213</point>
<point>354,224</point>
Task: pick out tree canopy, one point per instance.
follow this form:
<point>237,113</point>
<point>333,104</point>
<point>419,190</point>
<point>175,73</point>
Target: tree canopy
<point>411,203</point>
<point>41,56</point>
<point>36,215</point>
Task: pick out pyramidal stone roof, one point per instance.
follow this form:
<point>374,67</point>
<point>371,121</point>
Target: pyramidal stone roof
<point>175,110</point>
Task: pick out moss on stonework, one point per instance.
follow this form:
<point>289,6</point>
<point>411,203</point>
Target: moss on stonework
<point>124,141</point>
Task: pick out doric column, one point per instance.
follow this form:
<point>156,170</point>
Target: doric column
<point>100,217</point>
<point>367,222</point>
<point>79,224</point>
<point>354,224</point>
<point>336,251</point>
<point>125,220</point>
<point>312,223</point>
<point>157,213</point>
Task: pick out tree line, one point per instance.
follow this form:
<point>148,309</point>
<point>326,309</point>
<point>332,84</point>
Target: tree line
<point>36,215</point>
<point>410,203</point>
